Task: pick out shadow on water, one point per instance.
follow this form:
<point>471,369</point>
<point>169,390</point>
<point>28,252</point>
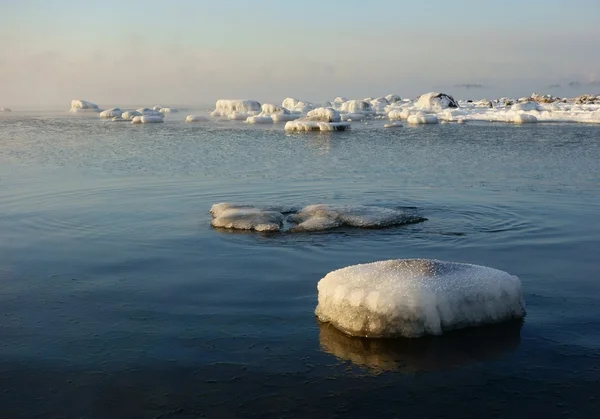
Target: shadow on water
<point>431,353</point>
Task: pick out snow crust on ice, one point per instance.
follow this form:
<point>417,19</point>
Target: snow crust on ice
<point>227,107</point>
<point>321,217</point>
<point>195,118</point>
<point>244,217</point>
<point>416,297</point>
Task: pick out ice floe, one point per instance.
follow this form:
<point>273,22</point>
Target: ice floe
<point>318,217</point>
<point>321,217</point>
<point>320,119</point>
<point>245,217</point>
<point>417,297</point>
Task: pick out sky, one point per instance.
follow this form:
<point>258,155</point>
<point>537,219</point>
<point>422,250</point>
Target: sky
<point>196,51</point>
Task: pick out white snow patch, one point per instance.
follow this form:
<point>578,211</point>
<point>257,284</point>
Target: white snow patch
<point>417,297</point>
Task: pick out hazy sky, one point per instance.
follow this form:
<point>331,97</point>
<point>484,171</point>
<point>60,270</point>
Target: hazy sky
<point>196,51</point>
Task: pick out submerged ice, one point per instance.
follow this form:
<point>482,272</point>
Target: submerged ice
<point>416,297</point>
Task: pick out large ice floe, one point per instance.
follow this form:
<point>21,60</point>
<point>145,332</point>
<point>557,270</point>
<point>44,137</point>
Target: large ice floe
<point>320,119</point>
<point>417,297</point>
<point>312,218</point>
<point>78,105</point>
<point>236,109</point>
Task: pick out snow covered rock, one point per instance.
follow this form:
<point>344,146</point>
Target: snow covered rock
<point>434,101</point>
<point>323,217</point>
<point>244,217</point>
<point>78,105</point>
<point>357,106</point>
<point>416,297</point>
<point>226,107</point>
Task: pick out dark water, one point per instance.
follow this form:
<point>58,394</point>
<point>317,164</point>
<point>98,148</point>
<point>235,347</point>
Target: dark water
<point>117,299</point>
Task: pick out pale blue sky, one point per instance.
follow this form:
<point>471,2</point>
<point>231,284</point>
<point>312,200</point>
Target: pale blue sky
<point>130,51</point>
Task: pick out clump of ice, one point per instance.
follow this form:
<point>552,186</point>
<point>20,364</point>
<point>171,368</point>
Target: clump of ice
<point>195,118</point>
<point>147,119</point>
<point>434,101</point>
<point>357,106</point>
<point>393,98</point>
<point>111,113</point>
<point>322,217</point>
<point>320,119</point>
<point>129,115</point>
<point>417,297</point>
<point>422,118</point>
<point>78,105</point>
<point>167,110</point>
<point>244,217</point>
<point>272,113</point>
<point>236,109</point>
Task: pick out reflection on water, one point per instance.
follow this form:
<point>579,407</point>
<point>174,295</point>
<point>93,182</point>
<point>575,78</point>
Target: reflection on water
<point>433,353</point>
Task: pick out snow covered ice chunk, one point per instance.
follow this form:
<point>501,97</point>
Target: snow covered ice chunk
<point>111,113</point>
<point>434,101</point>
<point>78,105</point>
<point>226,107</point>
<point>245,217</point>
<point>323,217</point>
<point>417,297</point>
<point>320,119</point>
<point>422,118</point>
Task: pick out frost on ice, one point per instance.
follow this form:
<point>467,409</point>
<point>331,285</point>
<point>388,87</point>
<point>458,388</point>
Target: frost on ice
<point>322,217</point>
<point>245,217</point>
<point>416,297</point>
<point>320,119</point>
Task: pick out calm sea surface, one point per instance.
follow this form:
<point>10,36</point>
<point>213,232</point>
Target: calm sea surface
<point>118,300</point>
